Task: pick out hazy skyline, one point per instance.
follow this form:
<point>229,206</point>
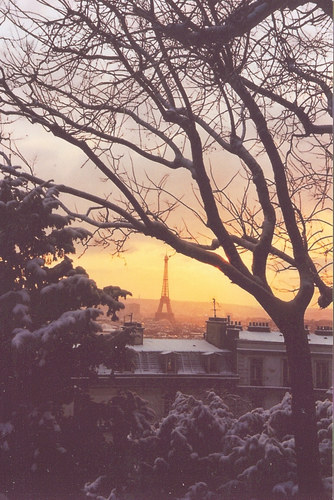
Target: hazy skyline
<point>140,268</point>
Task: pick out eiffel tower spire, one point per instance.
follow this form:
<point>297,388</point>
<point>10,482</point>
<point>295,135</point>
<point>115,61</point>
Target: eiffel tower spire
<point>164,300</point>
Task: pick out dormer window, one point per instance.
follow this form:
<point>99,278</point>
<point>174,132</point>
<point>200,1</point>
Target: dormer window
<point>210,362</point>
<point>168,362</point>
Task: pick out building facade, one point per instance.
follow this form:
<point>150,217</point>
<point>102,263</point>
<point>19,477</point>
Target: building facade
<point>250,363</point>
<point>161,367</point>
<point>259,359</point>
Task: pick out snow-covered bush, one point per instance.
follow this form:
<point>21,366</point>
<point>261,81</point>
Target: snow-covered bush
<point>126,418</point>
<point>199,451</point>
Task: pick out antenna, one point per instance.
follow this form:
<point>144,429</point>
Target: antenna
<point>214,308</point>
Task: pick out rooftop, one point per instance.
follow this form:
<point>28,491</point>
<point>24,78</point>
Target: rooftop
<point>188,358</point>
<point>201,345</point>
<point>278,337</point>
<point>176,345</point>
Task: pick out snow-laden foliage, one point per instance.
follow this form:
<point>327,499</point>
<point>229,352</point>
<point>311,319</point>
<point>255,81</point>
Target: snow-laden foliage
<point>199,451</point>
<point>48,312</point>
<point>126,418</point>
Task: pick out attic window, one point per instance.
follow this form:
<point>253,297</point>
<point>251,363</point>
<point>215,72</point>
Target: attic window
<point>210,362</point>
<point>168,362</point>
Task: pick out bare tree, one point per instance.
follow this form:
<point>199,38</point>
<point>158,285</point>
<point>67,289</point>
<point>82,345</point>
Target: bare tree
<point>234,99</point>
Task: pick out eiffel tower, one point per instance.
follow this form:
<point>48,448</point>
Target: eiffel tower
<point>164,300</point>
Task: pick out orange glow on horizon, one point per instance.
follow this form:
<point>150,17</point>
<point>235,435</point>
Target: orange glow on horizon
<point>140,268</point>
<point>140,271</point>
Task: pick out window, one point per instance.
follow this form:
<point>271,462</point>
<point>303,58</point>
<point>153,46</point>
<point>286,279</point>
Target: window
<point>322,374</point>
<point>168,362</point>
<point>210,362</point>
<point>169,367</point>
<point>285,373</point>
<point>256,371</point>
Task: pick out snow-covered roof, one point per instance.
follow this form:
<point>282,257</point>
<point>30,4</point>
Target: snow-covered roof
<point>320,339</point>
<point>149,359</point>
<point>275,336</point>
<point>176,345</point>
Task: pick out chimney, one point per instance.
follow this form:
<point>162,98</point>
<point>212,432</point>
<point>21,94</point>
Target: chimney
<point>222,333</point>
<point>136,332</point>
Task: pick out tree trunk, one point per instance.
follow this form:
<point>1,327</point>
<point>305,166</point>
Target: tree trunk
<point>303,409</point>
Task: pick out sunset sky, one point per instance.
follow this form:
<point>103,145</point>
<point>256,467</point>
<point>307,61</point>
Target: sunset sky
<point>140,268</point>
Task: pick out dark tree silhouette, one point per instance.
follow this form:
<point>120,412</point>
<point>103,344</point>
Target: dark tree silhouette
<point>230,97</point>
<point>48,336</point>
